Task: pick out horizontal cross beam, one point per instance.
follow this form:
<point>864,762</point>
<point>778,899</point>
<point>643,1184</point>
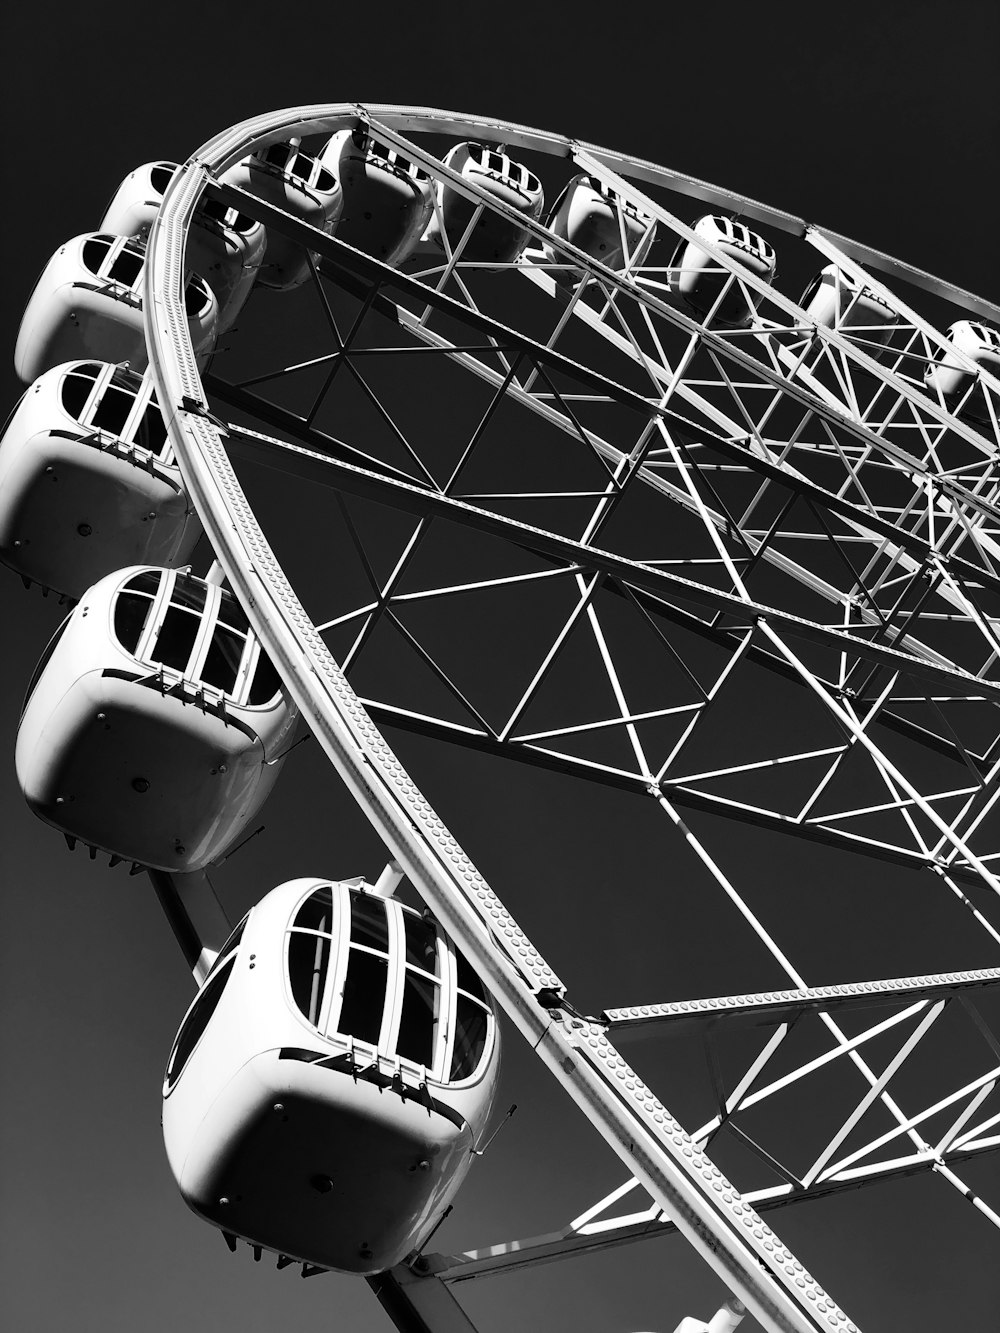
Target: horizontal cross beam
<point>776,1006</point>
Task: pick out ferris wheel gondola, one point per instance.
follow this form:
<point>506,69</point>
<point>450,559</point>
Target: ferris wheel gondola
<point>493,239</point>
<point>88,303</point>
<point>330,1084</point>
<point>835,299</point>
<point>225,248</point>
<point>88,482</point>
<point>388,201</point>
<point>590,215</point>
<point>709,288</point>
<point>949,375</point>
<point>284,175</point>
<point>155,726</point>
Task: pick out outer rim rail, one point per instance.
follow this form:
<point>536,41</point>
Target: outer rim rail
<point>728,1234</point>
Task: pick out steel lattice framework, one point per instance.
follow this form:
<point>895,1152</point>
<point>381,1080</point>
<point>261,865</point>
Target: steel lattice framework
<point>659,518</point>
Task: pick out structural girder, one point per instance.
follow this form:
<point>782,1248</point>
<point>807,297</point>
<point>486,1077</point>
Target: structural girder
<point>917,535</point>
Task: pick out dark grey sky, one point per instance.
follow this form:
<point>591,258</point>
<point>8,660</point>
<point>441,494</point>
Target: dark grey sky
<point>878,120</point>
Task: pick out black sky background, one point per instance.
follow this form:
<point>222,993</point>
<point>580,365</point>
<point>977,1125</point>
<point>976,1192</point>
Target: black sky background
<point>877,120</point>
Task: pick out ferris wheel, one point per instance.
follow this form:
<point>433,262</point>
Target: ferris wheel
<point>691,506</point>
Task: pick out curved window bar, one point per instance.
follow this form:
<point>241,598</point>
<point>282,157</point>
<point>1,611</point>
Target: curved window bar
<point>382,975</point>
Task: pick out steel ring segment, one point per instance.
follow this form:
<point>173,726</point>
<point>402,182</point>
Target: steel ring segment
<point>705,1207</point>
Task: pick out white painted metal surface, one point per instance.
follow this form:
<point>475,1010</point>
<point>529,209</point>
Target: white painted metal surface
<point>298,182</point>
<point>388,201</point>
<point>589,216</point>
<point>794,485</point>
<point>154,729</point>
<point>461,223</point>
<point>318,1101</point>
<point>88,483</point>
<point>224,248</point>
<point>88,303</point>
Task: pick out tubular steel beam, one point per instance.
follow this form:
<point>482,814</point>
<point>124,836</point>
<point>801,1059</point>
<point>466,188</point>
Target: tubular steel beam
<point>775,1006</point>
<point>307,462</point>
<point>417,1301</point>
<point>194,914</point>
<point>530,1251</point>
<point>648,578</point>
